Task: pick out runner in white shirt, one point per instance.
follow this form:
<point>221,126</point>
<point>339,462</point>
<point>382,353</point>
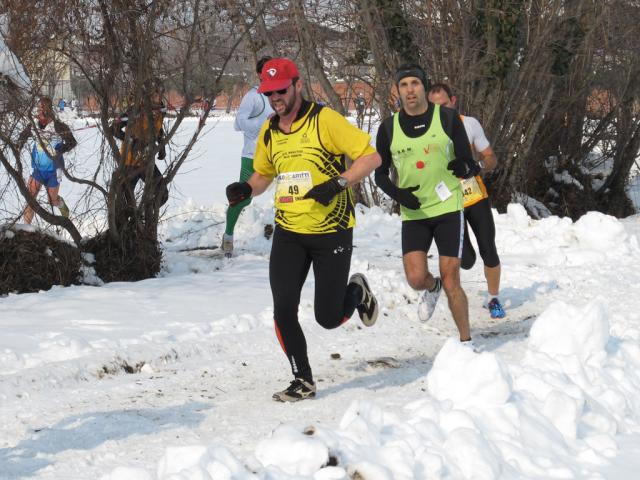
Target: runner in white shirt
<point>477,207</point>
<point>254,109</point>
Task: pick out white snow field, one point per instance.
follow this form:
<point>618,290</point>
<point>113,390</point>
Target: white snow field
<point>171,378</point>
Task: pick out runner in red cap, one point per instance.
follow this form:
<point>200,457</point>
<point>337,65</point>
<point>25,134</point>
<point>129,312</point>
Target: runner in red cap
<point>303,147</point>
<point>277,74</point>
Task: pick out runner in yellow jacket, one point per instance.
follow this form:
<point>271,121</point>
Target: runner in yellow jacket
<point>303,148</point>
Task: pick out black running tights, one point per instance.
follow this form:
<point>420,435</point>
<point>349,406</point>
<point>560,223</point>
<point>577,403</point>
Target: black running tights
<point>292,254</point>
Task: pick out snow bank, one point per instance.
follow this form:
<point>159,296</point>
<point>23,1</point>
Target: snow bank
<point>202,463</point>
<point>483,419</point>
<point>551,403</point>
<point>291,452</point>
<point>196,462</point>
<point>553,416</point>
<point>556,241</point>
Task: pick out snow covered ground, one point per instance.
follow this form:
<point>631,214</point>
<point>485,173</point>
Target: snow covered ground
<point>171,378</point>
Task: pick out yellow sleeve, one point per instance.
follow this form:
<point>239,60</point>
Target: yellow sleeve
<point>261,161</point>
<point>341,137</point>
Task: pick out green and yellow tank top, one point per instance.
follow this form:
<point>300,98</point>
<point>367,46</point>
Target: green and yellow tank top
<point>423,161</point>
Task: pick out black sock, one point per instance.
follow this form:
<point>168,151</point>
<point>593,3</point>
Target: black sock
<point>352,298</point>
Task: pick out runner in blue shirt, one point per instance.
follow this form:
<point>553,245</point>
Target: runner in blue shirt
<point>48,144</point>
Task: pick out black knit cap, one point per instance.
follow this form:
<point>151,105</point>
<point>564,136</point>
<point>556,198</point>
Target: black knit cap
<point>261,63</point>
<point>411,70</point>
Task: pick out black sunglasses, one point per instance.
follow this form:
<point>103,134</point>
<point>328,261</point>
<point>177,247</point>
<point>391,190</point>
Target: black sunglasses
<point>279,92</point>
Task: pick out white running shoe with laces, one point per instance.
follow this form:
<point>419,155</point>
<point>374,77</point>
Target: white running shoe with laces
<point>428,301</point>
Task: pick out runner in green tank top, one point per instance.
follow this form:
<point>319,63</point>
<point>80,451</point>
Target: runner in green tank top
<point>423,161</point>
<point>429,148</point>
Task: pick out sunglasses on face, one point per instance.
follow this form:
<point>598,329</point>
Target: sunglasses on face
<point>279,92</point>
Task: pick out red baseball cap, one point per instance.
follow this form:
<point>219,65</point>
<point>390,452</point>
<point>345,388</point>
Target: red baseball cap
<point>277,74</point>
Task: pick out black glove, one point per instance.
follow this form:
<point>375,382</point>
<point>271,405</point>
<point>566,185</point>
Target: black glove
<point>237,192</point>
<point>463,168</point>
<point>325,191</point>
<point>406,198</point>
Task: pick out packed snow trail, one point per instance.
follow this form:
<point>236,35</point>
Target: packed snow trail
<point>555,384</point>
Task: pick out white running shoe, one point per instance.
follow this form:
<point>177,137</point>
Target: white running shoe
<point>470,345</point>
<point>227,245</point>
<point>428,302</point>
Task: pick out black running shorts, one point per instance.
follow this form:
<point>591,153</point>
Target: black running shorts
<point>447,230</point>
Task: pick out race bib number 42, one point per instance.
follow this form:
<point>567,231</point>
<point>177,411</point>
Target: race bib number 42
<point>292,186</point>
<point>471,190</point>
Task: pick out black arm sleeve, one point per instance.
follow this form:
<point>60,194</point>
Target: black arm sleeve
<point>383,146</point>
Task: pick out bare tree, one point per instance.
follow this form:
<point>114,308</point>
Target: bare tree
<point>128,52</point>
<point>310,54</point>
<point>551,81</point>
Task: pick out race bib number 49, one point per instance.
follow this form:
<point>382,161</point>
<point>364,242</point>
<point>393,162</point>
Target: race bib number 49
<point>292,186</point>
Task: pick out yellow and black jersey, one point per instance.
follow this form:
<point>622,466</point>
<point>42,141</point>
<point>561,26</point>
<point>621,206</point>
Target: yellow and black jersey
<point>312,153</point>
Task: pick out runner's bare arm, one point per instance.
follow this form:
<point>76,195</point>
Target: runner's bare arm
<point>362,167</point>
<point>489,159</point>
<point>259,183</point>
